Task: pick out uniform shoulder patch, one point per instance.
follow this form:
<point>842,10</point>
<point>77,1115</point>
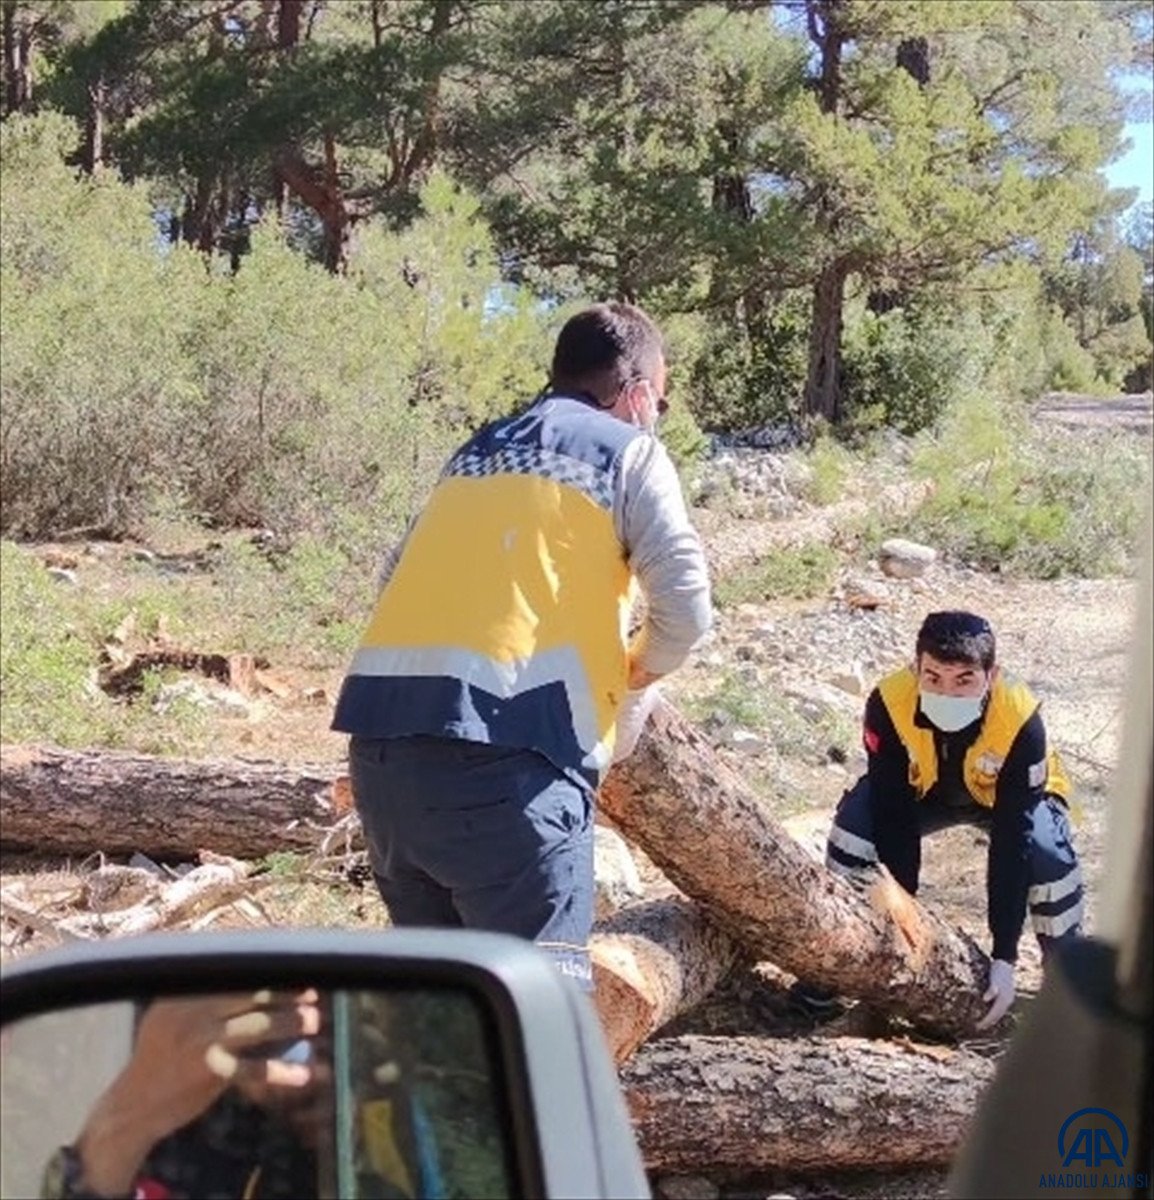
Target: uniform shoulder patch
<point>989,764</point>
<point>871,739</point>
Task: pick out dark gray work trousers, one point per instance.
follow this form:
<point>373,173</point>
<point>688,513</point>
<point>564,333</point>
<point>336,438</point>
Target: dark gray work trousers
<point>465,834</point>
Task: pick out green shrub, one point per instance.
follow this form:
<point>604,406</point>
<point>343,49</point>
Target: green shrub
<point>134,380</point>
<point>797,572</point>
<point>752,372</point>
<point>322,598</point>
<point>1040,502</point>
<point>830,464</point>
<point>93,370</point>
<point>904,368</point>
<point>44,662</point>
<point>734,698</point>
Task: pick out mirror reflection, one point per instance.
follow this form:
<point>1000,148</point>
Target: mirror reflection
<point>268,1093</point>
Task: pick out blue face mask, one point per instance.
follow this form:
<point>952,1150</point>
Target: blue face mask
<point>951,713</point>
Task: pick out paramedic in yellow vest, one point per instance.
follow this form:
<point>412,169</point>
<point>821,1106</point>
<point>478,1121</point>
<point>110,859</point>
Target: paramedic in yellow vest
<point>953,740</point>
<point>496,680</point>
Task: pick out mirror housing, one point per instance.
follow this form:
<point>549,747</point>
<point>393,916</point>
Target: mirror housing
<point>570,1133</point>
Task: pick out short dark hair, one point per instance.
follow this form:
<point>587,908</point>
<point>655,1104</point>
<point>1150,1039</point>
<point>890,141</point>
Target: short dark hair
<point>603,348</point>
<point>957,637</point>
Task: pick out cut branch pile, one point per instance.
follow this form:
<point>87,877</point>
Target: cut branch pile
<point>114,901</point>
<point>738,889</point>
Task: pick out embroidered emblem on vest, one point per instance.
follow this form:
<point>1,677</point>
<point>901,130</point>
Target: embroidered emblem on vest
<point>988,764</point>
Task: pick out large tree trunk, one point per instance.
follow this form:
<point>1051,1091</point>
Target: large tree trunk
<point>93,153</point>
<point>17,62</point>
<point>652,961</point>
<point>806,1104</point>
<point>824,377</point>
<point>824,21</point>
<point>718,844</point>
<point>71,802</point>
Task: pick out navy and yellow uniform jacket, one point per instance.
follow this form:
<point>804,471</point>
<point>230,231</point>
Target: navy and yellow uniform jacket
<point>1001,763</point>
<point>505,619</point>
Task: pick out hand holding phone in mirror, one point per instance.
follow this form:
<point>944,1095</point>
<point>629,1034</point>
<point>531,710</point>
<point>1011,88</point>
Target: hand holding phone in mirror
<point>187,1053</point>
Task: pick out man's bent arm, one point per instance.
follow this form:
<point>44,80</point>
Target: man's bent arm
<point>1007,877</point>
<point>665,554</point>
<point>897,833</point>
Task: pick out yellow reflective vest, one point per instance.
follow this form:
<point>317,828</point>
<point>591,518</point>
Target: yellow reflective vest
<point>506,619</point>
<point>1010,706</point>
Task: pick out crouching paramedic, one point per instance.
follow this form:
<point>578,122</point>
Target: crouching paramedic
<point>496,680</point>
<point>953,740</point>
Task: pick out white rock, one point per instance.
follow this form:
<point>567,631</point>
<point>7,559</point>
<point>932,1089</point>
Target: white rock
<point>819,699</point>
<point>230,702</point>
<point>902,559</point>
<point>859,592</point>
<point>745,742</point>
<point>851,680</point>
<point>63,575</point>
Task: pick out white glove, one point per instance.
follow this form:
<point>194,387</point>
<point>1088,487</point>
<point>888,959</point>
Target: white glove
<point>1000,993</point>
<point>635,710</point>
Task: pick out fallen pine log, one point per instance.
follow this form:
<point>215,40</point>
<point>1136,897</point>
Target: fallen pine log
<point>79,802</point>
<point>741,1104</point>
<point>717,843</point>
<point>652,961</point>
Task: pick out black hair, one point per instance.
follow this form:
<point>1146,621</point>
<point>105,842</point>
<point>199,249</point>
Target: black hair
<point>603,348</point>
<point>957,637</point>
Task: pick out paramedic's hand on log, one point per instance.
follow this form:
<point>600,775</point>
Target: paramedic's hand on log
<point>635,710</point>
<point>187,1053</point>
<point>999,994</point>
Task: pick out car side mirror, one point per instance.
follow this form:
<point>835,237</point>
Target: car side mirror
<point>410,1063</point>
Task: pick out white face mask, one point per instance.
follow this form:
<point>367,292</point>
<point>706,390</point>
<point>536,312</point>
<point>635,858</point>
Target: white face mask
<point>951,713</point>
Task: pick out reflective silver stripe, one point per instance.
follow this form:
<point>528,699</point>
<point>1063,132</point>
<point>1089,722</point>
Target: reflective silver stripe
<point>505,679</point>
<point>1047,893</point>
<point>852,844</point>
<point>860,877</point>
<point>1056,926</point>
